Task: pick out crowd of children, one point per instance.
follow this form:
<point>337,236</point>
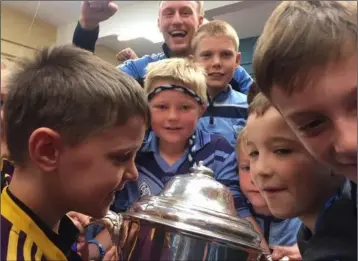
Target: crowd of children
<point>79,137</point>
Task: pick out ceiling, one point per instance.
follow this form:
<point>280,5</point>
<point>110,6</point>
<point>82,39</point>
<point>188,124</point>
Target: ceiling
<point>56,13</point>
<point>247,17</point>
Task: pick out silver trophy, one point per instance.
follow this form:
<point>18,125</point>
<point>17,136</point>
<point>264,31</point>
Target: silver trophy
<point>193,218</point>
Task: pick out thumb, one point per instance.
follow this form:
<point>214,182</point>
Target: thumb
<point>278,253</point>
<point>113,7</point>
<point>111,254</point>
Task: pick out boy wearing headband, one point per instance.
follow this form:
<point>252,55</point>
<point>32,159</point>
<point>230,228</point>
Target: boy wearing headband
<point>177,96</point>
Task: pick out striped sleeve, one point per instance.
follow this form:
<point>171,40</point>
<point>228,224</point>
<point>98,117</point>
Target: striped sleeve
<point>16,245</point>
<point>227,173</point>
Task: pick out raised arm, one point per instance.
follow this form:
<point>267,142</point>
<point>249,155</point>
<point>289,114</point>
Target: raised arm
<point>92,14</point>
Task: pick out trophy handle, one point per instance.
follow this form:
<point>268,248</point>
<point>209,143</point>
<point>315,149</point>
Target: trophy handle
<point>113,222</point>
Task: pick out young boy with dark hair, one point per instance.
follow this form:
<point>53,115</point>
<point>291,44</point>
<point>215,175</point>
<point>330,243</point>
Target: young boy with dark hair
<point>56,133</point>
<point>6,167</point>
<point>294,184</point>
<point>305,62</point>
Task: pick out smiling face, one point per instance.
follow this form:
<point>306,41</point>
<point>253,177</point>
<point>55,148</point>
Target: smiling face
<point>174,115</point>
<point>178,21</point>
<point>285,173</point>
<point>217,54</point>
<point>324,116</point>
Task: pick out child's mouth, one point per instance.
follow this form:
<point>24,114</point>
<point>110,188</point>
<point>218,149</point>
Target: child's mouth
<point>173,128</point>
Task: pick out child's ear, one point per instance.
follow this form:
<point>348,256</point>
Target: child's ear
<point>238,58</point>
<point>44,148</point>
<point>202,110</point>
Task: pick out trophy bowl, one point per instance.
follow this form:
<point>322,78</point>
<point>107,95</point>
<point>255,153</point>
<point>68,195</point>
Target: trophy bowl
<point>193,218</point>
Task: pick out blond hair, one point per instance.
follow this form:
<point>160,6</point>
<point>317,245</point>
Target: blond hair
<point>182,70</point>
<point>301,37</point>
<point>259,105</point>
<point>214,29</point>
<point>71,91</point>
<point>200,8</point>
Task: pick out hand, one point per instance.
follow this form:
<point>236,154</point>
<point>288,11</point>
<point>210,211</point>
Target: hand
<point>112,254</point>
<point>279,252</point>
<point>126,54</point>
<point>94,12</point>
<point>82,247</point>
<point>80,220</point>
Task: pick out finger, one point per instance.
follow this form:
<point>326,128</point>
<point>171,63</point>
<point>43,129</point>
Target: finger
<point>277,253</point>
<point>295,257</point>
<point>110,254</point>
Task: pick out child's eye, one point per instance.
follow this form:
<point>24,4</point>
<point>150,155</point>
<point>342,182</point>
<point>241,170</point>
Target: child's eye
<point>185,107</point>
<point>122,158</point>
<point>312,127</point>
<point>160,106</point>
<point>205,55</point>
<point>245,168</point>
<point>227,54</point>
<point>282,151</point>
<point>253,154</point>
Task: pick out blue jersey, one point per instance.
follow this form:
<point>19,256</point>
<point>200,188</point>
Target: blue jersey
<point>279,232</point>
<point>216,154</point>
<point>86,39</point>
<point>226,115</point>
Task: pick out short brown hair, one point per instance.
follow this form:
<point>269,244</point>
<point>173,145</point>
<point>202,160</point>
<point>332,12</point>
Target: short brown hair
<point>253,91</point>
<point>71,91</point>
<point>213,29</point>
<point>191,74</point>
<point>301,37</point>
<point>259,105</point>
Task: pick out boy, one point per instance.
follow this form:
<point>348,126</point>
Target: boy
<point>215,46</point>
<point>176,90</point>
<point>294,184</point>
<point>6,167</point>
<point>56,133</point>
<point>280,234</point>
<point>310,74</point>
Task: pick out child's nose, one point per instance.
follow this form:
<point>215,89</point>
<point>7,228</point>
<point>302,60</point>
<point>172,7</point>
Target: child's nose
<point>131,172</point>
<point>173,114</point>
<point>216,60</point>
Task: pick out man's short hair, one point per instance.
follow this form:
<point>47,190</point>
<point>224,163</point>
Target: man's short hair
<point>200,9</point>
<point>71,91</point>
<point>182,70</point>
<point>301,37</point>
